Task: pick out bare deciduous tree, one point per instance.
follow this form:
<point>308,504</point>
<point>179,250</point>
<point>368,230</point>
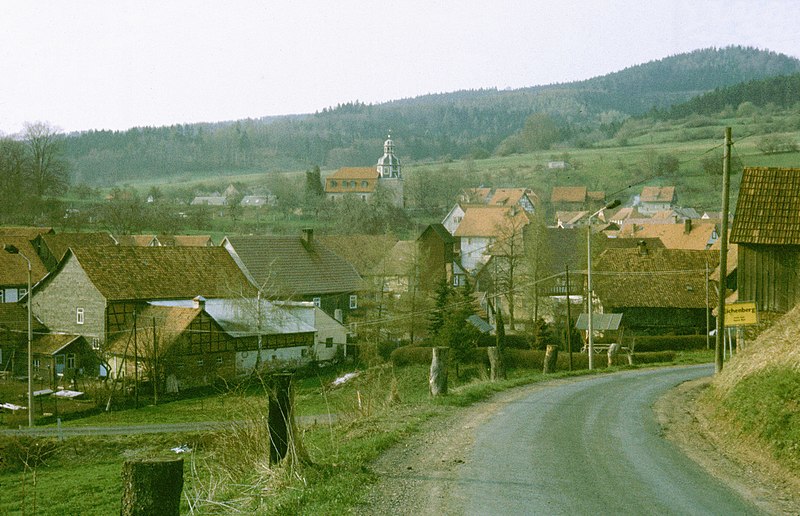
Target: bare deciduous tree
<point>49,170</point>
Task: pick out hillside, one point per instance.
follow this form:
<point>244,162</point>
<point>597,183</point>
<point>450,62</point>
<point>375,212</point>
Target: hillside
<point>427,128</point>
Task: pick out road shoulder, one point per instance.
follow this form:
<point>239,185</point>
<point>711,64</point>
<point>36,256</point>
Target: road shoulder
<point>744,466</point>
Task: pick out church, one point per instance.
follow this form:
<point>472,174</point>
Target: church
<point>363,182</point>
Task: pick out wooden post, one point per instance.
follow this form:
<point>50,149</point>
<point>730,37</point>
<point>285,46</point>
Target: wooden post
<point>152,486</point>
<point>437,380</point>
<point>613,349</point>
<point>496,371</point>
<point>550,358</point>
<point>280,416</point>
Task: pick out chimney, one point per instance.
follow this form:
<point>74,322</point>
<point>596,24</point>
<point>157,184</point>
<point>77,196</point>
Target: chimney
<point>308,236</point>
<point>642,245</point>
<point>199,302</point>
<point>687,226</point>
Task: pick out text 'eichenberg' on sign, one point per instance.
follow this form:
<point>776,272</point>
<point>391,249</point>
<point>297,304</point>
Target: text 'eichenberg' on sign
<point>741,314</point>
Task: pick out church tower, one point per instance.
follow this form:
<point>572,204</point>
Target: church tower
<point>389,173</point>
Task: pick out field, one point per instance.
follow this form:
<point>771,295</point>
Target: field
<point>227,471</point>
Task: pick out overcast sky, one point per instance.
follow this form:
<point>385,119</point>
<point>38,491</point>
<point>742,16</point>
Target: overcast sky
<point>111,64</point>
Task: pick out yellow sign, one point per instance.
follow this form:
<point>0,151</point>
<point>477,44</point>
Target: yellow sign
<point>741,314</point>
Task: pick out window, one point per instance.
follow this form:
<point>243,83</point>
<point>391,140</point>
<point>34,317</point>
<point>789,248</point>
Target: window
<point>352,184</point>
<point>329,342</point>
<point>37,363</point>
<point>95,343</point>
<point>2,295</point>
<point>219,360</point>
<point>353,302</point>
<point>317,302</point>
<point>79,315</point>
<point>71,361</point>
<point>1,355</point>
<point>364,184</point>
<point>333,183</point>
<point>200,362</point>
<point>22,292</point>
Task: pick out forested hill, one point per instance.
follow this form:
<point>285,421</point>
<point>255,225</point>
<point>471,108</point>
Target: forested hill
<point>782,91</point>
<point>430,127</point>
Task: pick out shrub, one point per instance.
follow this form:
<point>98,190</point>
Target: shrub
<point>667,343</point>
<point>18,452</point>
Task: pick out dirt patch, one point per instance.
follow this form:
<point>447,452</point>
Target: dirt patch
<point>742,464</point>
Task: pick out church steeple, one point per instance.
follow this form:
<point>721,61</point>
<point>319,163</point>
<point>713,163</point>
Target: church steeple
<point>389,165</point>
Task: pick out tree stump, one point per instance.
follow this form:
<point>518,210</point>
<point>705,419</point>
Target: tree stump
<point>152,487</point>
<point>496,369</point>
<point>613,349</point>
<point>550,359</point>
<point>280,416</point>
<point>437,380</point>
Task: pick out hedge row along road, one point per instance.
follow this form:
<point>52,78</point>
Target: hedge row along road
<point>586,447</point>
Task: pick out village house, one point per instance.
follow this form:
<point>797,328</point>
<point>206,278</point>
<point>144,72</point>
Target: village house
<point>61,359</point>
<point>364,182</point>
<point>575,198</point>
<point>298,268</point>
<point>137,240</point>
<point>437,252</point>
<point>331,336</point>
<point>51,247</point>
<point>14,267</point>
<point>95,291</point>
<point>766,229</point>
<point>689,234</point>
<point>657,198</point>
<point>483,227</point>
<point>659,291</point>
<point>197,342</point>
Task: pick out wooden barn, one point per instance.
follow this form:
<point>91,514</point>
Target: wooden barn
<point>767,230</point>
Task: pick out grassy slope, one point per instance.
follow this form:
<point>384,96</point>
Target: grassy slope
<point>756,398</point>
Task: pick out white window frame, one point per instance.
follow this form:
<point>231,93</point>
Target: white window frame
<point>353,301</point>
<point>317,301</point>
<point>70,360</point>
<point>95,343</point>
<point>80,315</point>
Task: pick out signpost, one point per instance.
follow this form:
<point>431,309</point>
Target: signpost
<point>737,315</point>
<point>741,314</point>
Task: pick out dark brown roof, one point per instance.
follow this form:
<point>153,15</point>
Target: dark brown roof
<point>151,273</point>
<point>662,278</point>
<point>768,207</point>
<point>364,252</point>
<point>289,266</point>
<point>28,232</point>
<point>58,243</point>
<point>52,343</point>
<point>13,268</point>
<point>14,318</point>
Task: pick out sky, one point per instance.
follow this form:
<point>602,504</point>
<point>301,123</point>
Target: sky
<point>113,64</point>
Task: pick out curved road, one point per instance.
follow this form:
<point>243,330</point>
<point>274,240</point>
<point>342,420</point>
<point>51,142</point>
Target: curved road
<point>590,447</point>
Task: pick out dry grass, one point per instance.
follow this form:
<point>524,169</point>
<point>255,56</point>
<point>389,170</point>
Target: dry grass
<point>775,346</point>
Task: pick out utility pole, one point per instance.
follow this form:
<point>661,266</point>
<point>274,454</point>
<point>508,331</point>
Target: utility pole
<point>723,254</point>
<point>569,321</point>
<point>135,361</point>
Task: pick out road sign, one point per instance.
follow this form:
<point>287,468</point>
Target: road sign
<point>741,314</point>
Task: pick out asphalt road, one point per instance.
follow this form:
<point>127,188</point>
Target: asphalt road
<point>590,447</point>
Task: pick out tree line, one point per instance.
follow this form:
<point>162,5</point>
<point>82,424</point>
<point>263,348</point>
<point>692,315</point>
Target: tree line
<point>470,123</point>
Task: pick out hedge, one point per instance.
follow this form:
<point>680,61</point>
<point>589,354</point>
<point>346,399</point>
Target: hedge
<point>667,342</point>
